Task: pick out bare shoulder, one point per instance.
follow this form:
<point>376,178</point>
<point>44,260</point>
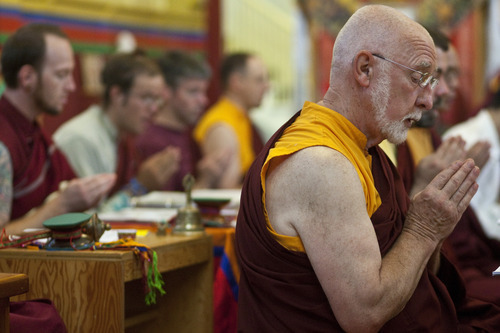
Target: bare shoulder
<point>317,185</point>
<point>220,135</point>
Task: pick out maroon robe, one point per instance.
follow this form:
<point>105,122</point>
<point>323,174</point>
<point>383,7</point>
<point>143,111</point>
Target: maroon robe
<point>156,138</point>
<point>475,254</point>
<point>279,290</point>
<point>37,165</point>
<point>39,315</point>
<point>126,163</point>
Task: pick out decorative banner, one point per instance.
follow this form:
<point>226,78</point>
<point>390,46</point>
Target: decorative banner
<point>332,14</point>
<point>93,25</point>
<point>444,14</point>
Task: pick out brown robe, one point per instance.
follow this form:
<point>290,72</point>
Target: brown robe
<point>279,290</point>
<point>475,254</point>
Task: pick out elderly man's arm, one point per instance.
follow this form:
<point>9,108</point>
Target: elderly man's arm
<point>325,205</point>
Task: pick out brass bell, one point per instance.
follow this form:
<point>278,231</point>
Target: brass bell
<point>188,221</point>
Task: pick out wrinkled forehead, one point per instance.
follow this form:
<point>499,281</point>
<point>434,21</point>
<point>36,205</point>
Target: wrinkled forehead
<point>420,50</point>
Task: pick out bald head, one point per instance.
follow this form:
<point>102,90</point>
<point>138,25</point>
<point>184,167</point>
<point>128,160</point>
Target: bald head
<point>380,59</point>
<point>377,29</point>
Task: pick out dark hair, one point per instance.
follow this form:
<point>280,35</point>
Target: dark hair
<point>26,47</point>
<point>440,39</point>
<point>122,69</point>
<point>176,65</point>
<point>232,63</point>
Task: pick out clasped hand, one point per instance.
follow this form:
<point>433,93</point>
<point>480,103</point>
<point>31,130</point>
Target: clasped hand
<point>435,211</point>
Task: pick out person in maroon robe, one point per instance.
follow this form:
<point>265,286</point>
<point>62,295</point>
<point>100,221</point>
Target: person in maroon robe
<point>185,94</point>
<point>471,250</point>
<point>326,236</point>
<point>37,65</point>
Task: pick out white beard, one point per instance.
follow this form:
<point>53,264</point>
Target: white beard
<point>393,131</point>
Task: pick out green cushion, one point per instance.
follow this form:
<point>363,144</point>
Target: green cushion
<point>67,221</point>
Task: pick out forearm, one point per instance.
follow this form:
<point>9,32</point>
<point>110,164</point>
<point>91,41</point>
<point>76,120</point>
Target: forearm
<point>36,217</point>
<point>435,260</point>
<point>232,177</point>
<point>383,295</point>
<point>403,265</point>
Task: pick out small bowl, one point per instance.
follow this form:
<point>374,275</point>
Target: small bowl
<point>214,203</point>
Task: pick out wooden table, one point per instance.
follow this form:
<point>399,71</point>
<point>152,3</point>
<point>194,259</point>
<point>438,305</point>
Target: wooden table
<point>102,291</point>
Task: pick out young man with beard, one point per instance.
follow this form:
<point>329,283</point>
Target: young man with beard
<point>327,237</point>
<point>37,65</point>
<point>186,81</point>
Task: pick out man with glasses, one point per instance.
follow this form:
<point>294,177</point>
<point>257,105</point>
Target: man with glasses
<point>423,156</point>
<point>100,139</point>
<point>327,237</point>
<point>186,82</point>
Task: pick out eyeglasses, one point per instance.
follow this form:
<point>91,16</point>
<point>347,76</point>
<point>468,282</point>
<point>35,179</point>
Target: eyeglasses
<point>148,99</point>
<point>424,80</point>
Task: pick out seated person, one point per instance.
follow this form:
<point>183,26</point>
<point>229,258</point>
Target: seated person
<point>485,126</point>
<point>327,238</point>
<point>423,156</point>
<point>38,81</point>
<point>185,95</point>
<point>100,139</point>
<point>226,126</point>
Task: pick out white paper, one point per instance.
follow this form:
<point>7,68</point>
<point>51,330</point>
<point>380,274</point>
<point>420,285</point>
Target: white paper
<point>140,214</point>
<point>172,199</point>
<point>113,235</point>
<point>496,272</point>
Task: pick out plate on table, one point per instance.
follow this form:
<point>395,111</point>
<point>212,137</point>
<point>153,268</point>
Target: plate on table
<point>214,203</point>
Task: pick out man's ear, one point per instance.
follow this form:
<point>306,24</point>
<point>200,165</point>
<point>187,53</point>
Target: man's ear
<point>27,77</point>
<point>363,68</point>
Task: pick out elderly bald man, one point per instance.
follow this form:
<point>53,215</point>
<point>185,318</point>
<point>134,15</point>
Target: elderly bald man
<point>327,237</point>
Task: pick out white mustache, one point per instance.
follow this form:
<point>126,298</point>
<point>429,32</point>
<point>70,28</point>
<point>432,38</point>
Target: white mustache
<point>415,115</point>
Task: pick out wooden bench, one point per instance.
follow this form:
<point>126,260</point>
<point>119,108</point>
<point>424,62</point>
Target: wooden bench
<point>11,284</point>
